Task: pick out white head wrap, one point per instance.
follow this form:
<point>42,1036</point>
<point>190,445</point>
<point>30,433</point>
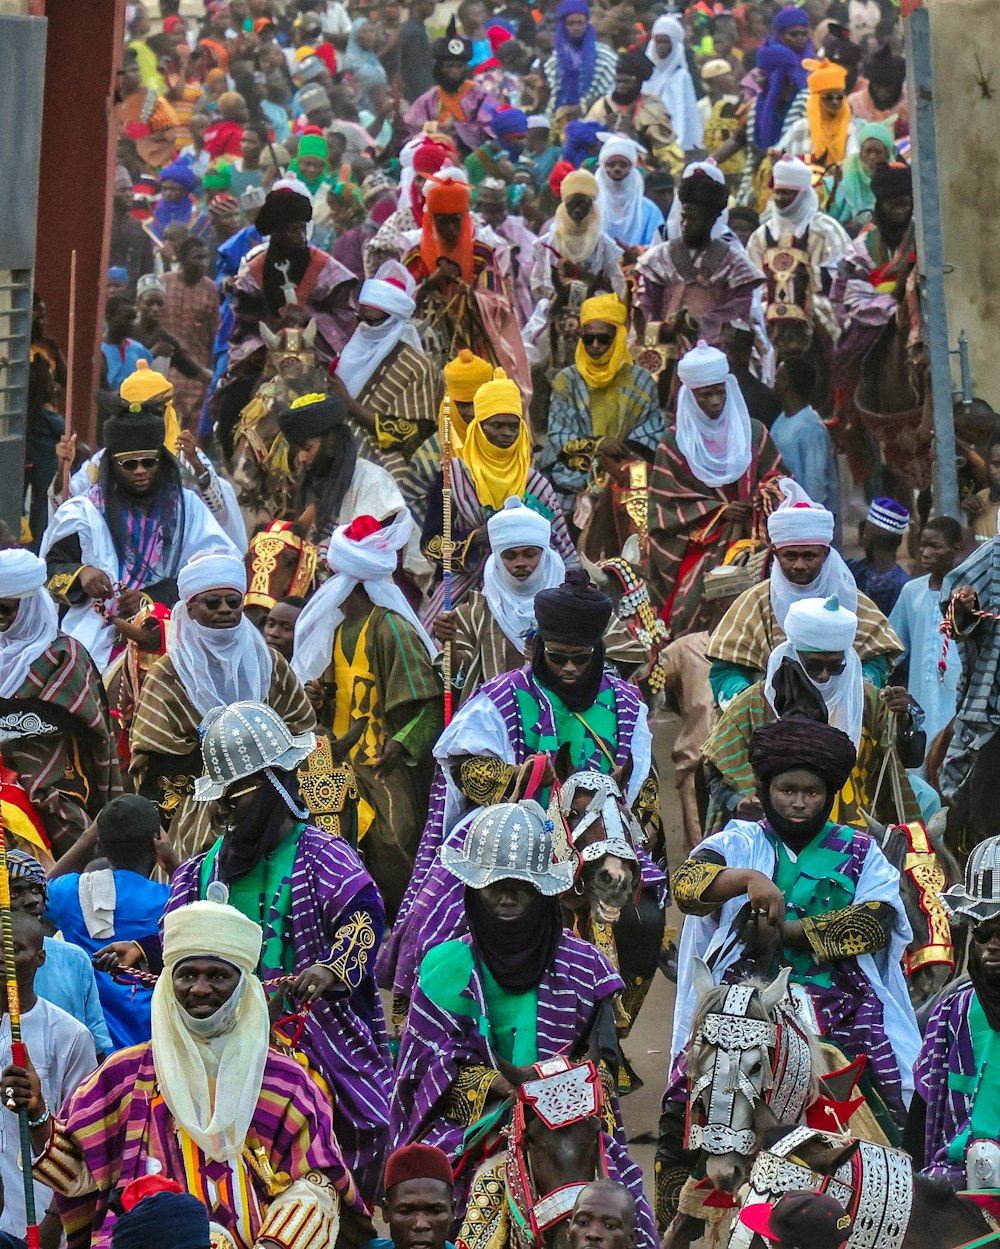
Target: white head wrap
<point>791,173</point>
<point>390,290</point>
<point>721,226</point>
<point>620,203</point>
<point>512,602</point>
<point>538,121</point>
<point>671,81</point>
<point>230,1052</point>
<point>817,624</point>
<point>798,521</point>
<point>718,452</point>
<point>217,666</point>
<point>368,562</point>
<point>34,627</point>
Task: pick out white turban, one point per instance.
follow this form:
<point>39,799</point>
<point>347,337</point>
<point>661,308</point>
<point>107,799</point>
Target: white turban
<point>718,452</point>
<point>369,562</point>
<point>390,290</point>
<point>790,173</point>
<point>211,570</point>
<point>517,525</point>
<point>217,667</point>
<point>816,624</point>
<point>36,623</point>
<point>801,522</point>
<point>512,602</point>
<point>229,1049</point>
<point>702,366</point>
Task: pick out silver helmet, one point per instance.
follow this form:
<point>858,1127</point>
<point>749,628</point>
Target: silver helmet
<point>979,898</point>
<point>242,739</point>
<point>509,841</point>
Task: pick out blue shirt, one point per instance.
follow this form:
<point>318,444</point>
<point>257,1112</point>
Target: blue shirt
<point>66,979</point>
<point>122,361</point>
<point>139,906</point>
<point>805,446</point>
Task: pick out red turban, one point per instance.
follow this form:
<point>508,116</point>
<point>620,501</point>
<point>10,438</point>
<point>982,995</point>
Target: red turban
<point>447,197</point>
<point>418,1162</point>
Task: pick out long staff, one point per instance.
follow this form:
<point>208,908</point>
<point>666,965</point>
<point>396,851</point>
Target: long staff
<point>70,353</point>
<point>446,545</point>
<point>18,1052</point>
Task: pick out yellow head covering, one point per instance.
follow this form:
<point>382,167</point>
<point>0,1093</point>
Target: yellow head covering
<point>499,473</point>
<point>600,373</point>
<point>462,378</point>
<point>829,134</point>
<point>145,384</point>
<point>579,182</point>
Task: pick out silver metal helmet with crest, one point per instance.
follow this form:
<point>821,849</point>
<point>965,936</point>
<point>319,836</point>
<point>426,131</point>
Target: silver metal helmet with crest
<point>509,841</point>
<point>979,898</point>
<point>242,739</point>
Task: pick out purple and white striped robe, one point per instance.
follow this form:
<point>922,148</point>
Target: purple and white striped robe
<point>436,1045</point>
<point>344,1036</point>
<point>947,1051</point>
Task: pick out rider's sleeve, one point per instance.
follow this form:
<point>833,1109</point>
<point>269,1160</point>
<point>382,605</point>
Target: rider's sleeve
<point>484,779</point>
<point>466,1099</point>
<point>860,929</point>
<point>690,881</point>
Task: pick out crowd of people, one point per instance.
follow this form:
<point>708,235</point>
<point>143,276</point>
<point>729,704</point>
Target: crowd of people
<point>488,397</point>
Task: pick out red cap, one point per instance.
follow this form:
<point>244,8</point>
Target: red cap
<point>137,1190</point>
<point>418,1162</point>
<point>362,527</point>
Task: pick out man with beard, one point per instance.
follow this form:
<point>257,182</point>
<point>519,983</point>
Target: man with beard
<point>706,274</point>
<point>130,533</point>
<point>955,1099</point>
<point>628,110</point>
<point>290,283</point>
<point>795,230</point>
<point>455,103</point>
<point>333,486</point>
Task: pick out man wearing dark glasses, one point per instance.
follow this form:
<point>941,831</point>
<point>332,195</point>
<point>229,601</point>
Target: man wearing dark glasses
<point>954,1122</point>
<point>128,535</point>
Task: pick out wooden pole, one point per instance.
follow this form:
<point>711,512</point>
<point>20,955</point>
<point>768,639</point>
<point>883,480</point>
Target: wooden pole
<point>18,1053</point>
<point>446,545</point>
<point>70,354</point>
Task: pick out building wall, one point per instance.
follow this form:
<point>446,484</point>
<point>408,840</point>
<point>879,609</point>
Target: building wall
<point>965,37</point>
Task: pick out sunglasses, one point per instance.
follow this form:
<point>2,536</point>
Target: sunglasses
<point>983,934</point>
<point>833,670</point>
<point>833,97</point>
<point>598,340</point>
<point>132,464</point>
<point>214,601</point>
<point>563,659</point>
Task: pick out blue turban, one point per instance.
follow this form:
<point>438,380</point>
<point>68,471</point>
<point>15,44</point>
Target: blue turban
<point>163,1221</point>
<point>780,64</point>
<point>788,17</point>
<point>179,172</point>
<point>569,7</point>
<point>507,122</point>
<point>578,137</point>
<point>22,866</point>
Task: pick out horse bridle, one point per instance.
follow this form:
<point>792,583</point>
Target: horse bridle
<point>785,1061</point>
<point>564,1093</point>
<point>621,828</point>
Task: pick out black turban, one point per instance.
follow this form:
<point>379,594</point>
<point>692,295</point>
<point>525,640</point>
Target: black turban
<point>312,420</point>
<point>163,1221</point>
<point>452,47</point>
<point>283,207</point>
<point>575,611</point>
<point>888,181</point>
<point>886,69</point>
<point>635,63</point>
<point>128,430</point>
<point>702,188</point>
<point>799,743</point>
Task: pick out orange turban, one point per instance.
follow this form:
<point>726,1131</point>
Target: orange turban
<point>447,197</point>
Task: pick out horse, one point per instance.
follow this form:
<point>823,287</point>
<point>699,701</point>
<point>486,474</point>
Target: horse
<point>792,319</point>
<point>280,563</point>
<point>663,344</point>
<point>891,1207</point>
<point>264,478</point>
<point>753,1045</point>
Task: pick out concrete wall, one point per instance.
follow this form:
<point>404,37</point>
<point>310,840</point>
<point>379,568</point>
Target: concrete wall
<point>965,36</point>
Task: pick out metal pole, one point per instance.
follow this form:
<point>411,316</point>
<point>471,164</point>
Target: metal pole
<point>930,256</point>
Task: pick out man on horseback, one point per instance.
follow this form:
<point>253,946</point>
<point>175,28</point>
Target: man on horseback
<point>795,888</point>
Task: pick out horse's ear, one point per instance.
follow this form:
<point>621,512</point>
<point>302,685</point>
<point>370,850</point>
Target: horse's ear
<point>826,1161</point>
<point>513,1075</point>
<point>309,333</point>
<point>271,340</point>
<point>563,765</point>
<point>773,993</point>
<point>763,1117</point>
<point>523,779</point>
<point>597,574</point>
<point>622,775</point>
<point>701,978</point>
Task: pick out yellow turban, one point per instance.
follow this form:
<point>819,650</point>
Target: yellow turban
<point>825,76</point>
<point>465,374</point>
<point>829,134</point>
<point>498,395</point>
<point>579,182</point>
<point>145,384</point>
<point>499,473</point>
<point>600,373</point>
